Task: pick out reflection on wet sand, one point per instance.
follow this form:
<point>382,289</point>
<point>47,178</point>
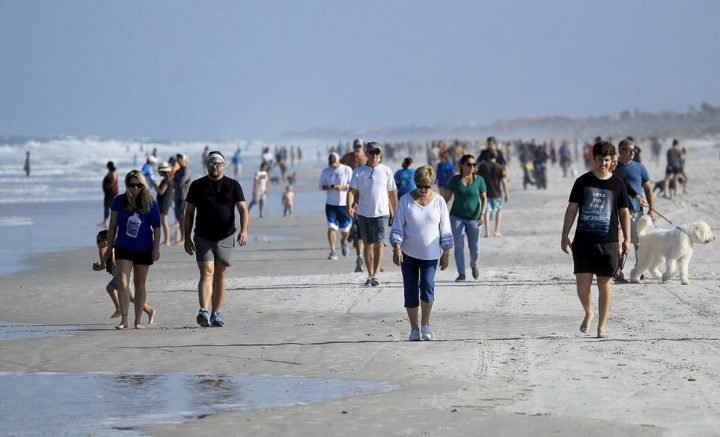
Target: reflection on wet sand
<point>109,403</point>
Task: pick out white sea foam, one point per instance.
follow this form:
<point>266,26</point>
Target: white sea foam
<point>72,169</point>
<point>15,221</point>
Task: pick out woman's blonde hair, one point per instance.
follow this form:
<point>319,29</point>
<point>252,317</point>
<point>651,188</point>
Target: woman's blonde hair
<point>144,202</point>
<point>424,173</point>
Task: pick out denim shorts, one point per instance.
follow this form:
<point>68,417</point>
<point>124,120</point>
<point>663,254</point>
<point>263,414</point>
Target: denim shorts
<point>494,204</point>
<point>218,251</point>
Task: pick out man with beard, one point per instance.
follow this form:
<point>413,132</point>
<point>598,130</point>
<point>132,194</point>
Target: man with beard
<point>214,197</point>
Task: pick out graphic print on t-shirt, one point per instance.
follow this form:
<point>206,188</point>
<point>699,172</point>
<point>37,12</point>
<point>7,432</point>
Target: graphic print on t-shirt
<point>133,226</point>
<point>595,214</point>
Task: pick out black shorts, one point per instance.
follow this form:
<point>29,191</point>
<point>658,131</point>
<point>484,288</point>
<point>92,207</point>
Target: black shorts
<point>599,259</point>
<point>674,169</point>
<point>141,258</point>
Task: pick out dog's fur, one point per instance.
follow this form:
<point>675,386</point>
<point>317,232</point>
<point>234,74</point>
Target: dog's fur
<point>674,247</point>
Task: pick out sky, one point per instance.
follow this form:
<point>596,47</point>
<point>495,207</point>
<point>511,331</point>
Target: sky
<point>181,69</point>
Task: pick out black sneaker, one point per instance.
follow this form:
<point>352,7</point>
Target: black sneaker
<point>374,282</point>
<point>460,278</point>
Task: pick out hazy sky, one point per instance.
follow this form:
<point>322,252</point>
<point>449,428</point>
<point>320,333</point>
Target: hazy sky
<point>256,69</point>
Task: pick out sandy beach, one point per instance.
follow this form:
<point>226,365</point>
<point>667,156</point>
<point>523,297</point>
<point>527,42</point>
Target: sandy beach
<point>508,359</point>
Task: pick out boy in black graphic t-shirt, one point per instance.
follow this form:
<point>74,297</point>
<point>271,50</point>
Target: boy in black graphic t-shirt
<point>599,200</point>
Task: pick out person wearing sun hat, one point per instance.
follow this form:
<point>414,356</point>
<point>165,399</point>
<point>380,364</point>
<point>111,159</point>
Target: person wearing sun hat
<point>210,206</point>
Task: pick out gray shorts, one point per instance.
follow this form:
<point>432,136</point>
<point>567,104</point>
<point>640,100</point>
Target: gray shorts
<point>372,229</point>
<point>634,217</point>
<point>218,251</point>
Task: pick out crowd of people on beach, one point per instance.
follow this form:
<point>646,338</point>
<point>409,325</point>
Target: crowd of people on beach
<point>607,200</point>
<point>368,205</point>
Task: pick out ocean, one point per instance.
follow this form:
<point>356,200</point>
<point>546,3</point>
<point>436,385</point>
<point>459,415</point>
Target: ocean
<point>59,206</point>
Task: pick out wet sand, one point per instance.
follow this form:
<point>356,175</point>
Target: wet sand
<point>508,359</point>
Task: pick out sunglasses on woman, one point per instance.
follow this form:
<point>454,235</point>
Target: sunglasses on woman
<point>134,185</point>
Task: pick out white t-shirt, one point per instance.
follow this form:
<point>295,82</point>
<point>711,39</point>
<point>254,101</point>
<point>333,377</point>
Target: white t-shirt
<point>335,176</point>
<point>373,185</point>
<point>262,179</point>
<point>422,231</point>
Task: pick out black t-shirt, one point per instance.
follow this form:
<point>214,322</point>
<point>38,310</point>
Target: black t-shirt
<point>499,158</point>
<point>215,205</point>
<point>599,201</point>
<point>492,172</point>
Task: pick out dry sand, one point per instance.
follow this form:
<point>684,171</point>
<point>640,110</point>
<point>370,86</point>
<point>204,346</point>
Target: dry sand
<point>508,360</point>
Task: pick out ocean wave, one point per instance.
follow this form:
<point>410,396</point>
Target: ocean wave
<point>15,221</point>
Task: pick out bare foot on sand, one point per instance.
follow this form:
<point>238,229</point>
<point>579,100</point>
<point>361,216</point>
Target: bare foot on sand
<point>116,314</point>
<point>601,333</point>
<point>585,325</point>
<point>121,326</point>
<point>151,316</point>
<point>498,234</point>
<point>139,326</point>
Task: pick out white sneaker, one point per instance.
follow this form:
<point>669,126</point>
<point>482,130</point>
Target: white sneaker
<point>332,255</point>
<point>426,332</point>
<point>414,335</point>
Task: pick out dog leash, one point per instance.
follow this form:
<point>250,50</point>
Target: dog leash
<point>666,219</point>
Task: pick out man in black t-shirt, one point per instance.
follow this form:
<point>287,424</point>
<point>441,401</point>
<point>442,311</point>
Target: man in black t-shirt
<point>213,200</point>
<point>495,177</point>
<point>599,200</point>
<point>492,145</point>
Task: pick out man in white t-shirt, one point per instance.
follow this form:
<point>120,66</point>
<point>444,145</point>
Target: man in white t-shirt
<point>373,197</point>
<point>335,181</point>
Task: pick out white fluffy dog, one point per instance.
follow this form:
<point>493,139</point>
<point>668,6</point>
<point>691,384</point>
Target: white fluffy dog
<point>672,246</point>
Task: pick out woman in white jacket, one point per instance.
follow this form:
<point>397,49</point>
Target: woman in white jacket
<point>421,236</point>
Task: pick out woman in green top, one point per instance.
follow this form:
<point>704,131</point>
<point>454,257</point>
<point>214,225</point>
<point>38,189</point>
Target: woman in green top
<point>467,213</point>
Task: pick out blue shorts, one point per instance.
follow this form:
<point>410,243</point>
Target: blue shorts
<point>494,204</point>
<point>336,218</point>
